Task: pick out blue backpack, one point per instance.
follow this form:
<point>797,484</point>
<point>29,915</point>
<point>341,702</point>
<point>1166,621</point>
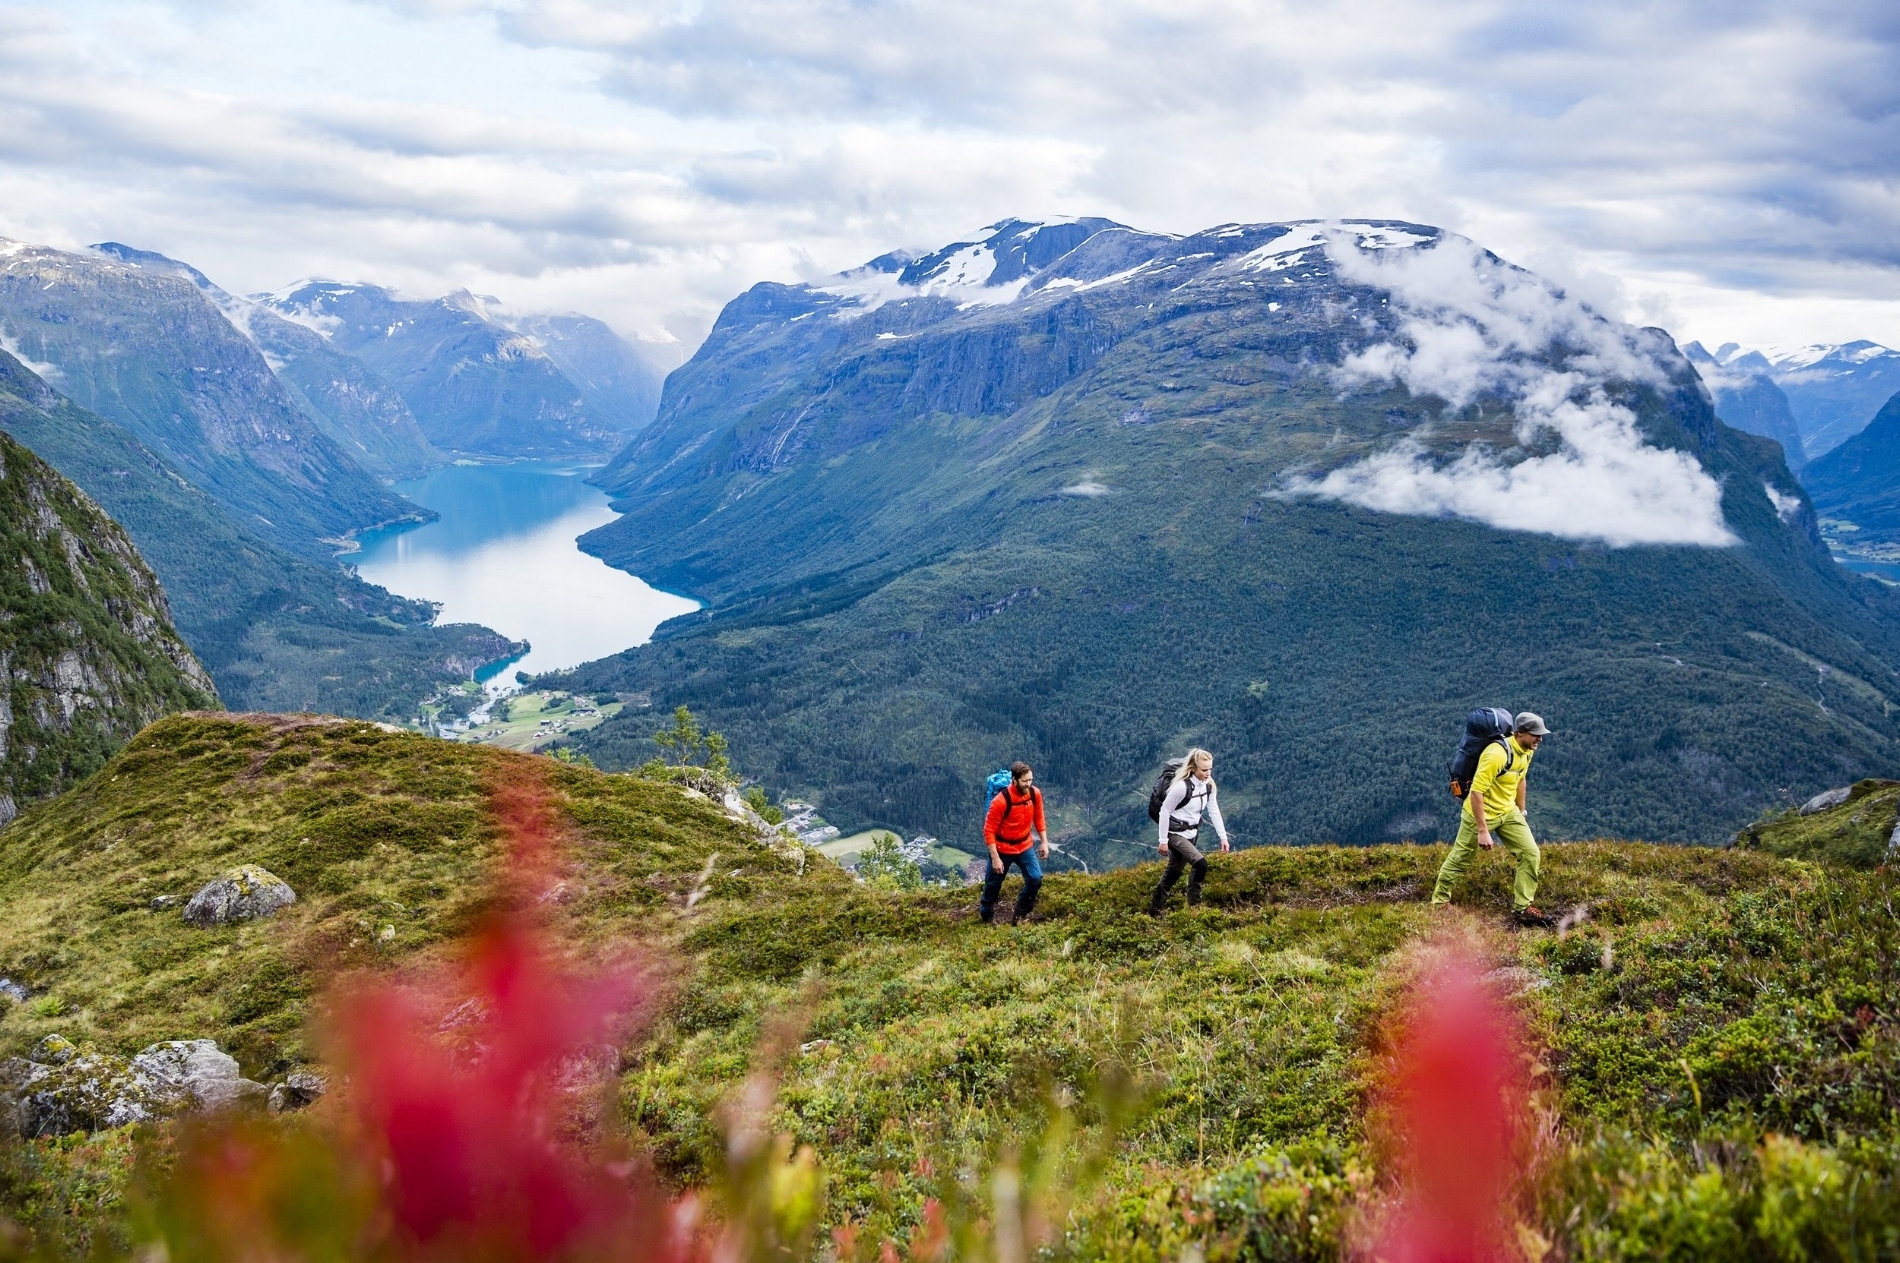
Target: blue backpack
<point>998,782</point>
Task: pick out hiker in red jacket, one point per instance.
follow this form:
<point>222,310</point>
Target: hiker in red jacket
<point>1014,822</point>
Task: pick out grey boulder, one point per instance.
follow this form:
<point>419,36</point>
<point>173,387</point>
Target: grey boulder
<point>61,1090</point>
<point>1822,801</point>
<point>242,894</point>
<point>90,1092</point>
<point>197,1068</point>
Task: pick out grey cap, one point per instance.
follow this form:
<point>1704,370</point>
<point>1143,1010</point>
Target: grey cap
<point>1533,724</point>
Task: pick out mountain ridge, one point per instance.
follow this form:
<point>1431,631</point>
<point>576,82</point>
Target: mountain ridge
<point>943,525</point>
<point>364,416</point>
<point>150,351</point>
<point>480,385</point>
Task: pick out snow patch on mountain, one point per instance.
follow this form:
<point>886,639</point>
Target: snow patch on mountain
<point>1289,250</point>
<point>1473,325</point>
<point>963,277</point>
<point>299,302</point>
<point>1118,278</point>
<point>994,267</point>
<point>1792,359</point>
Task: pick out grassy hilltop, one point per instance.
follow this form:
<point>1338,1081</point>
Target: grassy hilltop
<point>1711,998</point>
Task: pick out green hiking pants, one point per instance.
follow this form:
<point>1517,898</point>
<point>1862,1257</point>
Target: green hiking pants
<point>1514,835</point>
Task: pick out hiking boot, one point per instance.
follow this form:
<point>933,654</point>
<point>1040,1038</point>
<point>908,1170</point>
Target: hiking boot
<point>1155,910</point>
<point>1531,914</point>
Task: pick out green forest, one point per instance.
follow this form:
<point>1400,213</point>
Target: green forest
<point>925,604</point>
<point>277,633</point>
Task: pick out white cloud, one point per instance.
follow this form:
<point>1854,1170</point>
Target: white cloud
<point>1729,163</point>
<point>48,373</point>
<point>1470,326</point>
<point>1787,507</point>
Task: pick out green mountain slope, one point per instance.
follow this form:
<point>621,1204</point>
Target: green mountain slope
<point>275,631</point>
<point>151,352</point>
<point>1747,398</point>
<point>1059,517</point>
<point>1709,1000</point>
<point>88,655</point>
<point>1858,483</point>
<point>476,385</point>
<point>350,405</point>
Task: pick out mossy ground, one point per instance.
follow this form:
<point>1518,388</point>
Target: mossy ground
<point>1711,997</point>
<point>1857,833</point>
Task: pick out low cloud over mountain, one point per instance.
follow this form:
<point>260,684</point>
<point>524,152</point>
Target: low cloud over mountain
<point>1472,325</point>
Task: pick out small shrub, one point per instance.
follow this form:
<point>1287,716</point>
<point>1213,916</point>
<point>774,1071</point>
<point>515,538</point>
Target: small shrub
<point>885,866</point>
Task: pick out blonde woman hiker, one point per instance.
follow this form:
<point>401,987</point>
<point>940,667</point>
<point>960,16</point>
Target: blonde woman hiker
<point>1190,797</point>
<point>1494,812</point>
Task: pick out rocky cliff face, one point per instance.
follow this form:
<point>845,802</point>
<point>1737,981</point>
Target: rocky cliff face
<point>88,654</point>
<point>1747,397</point>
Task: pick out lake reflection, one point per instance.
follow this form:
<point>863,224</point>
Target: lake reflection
<point>502,554</point>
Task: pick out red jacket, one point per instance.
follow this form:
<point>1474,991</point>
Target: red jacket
<point>1010,819</point>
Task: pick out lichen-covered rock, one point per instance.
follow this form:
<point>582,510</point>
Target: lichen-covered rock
<point>198,1068</point>
<point>241,894</point>
<point>61,1090</point>
<point>300,1088</point>
<point>92,1092</point>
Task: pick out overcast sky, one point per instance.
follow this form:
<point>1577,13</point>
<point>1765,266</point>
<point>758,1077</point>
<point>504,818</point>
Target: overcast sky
<point>1730,170</point>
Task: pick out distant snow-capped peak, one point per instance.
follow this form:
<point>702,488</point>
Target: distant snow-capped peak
<point>991,266</point>
<point>1791,359</point>
<point>1010,258</point>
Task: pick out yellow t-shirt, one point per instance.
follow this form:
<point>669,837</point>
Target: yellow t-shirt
<point>1497,786</point>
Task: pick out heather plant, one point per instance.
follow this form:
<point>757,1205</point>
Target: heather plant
<point>1716,1034</point>
<point>462,1131</point>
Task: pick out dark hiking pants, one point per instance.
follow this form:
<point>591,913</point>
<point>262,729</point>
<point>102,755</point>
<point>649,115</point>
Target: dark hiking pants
<point>993,884</point>
<point>1182,853</point>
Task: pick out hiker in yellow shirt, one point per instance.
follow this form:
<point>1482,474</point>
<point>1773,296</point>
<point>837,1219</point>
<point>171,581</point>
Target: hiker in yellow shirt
<point>1494,812</point>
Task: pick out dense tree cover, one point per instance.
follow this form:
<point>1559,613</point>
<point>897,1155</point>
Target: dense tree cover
<point>1093,560</point>
<point>275,632</point>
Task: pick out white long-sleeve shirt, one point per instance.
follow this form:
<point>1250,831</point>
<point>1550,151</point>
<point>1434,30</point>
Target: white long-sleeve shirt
<point>1182,811</point>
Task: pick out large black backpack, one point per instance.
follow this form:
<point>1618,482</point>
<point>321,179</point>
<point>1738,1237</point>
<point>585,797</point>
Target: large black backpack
<point>1482,727</point>
<point>1159,794</point>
